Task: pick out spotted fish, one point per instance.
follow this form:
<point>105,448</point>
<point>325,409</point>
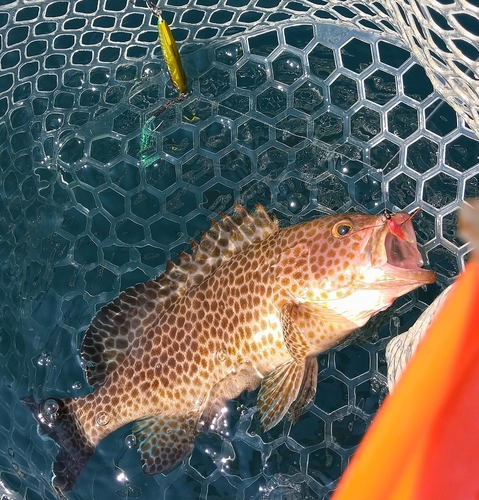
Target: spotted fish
<point>251,305</point>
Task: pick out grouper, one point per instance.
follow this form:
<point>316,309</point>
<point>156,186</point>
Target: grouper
<point>251,305</point>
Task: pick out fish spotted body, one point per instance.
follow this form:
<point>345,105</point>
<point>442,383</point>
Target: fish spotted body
<point>253,304</point>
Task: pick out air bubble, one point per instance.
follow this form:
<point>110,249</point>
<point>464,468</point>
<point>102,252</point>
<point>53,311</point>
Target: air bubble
<point>45,358</point>
<point>130,441</point>
<point>294,205</point>
<point>77,386</point>
<point>102,418</point>
<point>50,406</point>
<point>376,385</point>
<point>50,409</point>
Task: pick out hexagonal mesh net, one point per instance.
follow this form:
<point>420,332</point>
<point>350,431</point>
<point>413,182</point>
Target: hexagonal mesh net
<point>306,107</point>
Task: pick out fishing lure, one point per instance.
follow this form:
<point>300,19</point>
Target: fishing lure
<point>396,228</point>
<point>170,52</point>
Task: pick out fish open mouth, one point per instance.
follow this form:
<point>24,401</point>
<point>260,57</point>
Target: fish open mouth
<point>402,253</point>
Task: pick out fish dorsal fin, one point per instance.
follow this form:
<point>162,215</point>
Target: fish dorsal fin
<point>116,326</point>
<point>224,240</point>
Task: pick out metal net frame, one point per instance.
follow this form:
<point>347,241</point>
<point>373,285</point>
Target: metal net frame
<point>306,107</point>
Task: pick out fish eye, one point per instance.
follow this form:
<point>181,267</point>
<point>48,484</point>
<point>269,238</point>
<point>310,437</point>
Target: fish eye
<point>341,228</point>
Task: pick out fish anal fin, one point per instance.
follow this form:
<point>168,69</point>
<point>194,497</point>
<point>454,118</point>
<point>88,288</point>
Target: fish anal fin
<point>164,441</point>
<point>307,391</point>
<point>278,391</point>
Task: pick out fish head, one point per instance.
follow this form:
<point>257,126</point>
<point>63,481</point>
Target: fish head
<point>355,264</point>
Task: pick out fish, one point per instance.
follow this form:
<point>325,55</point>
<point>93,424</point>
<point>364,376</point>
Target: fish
<point>251,305</point>
<point>400,349</point>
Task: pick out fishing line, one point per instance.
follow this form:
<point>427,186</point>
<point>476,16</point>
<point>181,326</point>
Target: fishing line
<point>174,65</point>
<point>149,129</point>
<point>178,78</point>
<point>332,151</point>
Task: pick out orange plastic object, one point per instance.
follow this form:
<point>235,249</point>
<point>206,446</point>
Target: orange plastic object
<point>424,442</point>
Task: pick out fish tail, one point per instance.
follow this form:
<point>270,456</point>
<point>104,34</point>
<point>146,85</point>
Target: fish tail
<point>57,421</point>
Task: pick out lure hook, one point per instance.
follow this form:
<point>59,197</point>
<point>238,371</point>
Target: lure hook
<point>155,9</point>
<point>395,227</point>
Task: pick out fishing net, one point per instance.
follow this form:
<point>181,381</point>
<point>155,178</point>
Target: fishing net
<point>306,107</point>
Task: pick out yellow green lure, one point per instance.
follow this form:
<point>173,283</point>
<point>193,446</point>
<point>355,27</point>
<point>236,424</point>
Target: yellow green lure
<point>169,50</point>
<point>171,55</point>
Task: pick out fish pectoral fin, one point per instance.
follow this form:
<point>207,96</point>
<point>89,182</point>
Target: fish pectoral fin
<point>294,338</point>
<point>278,391</point>
<point>292,382</point>
<point>312,328</point>
<point>163,442</point>
<point>307,391</point>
